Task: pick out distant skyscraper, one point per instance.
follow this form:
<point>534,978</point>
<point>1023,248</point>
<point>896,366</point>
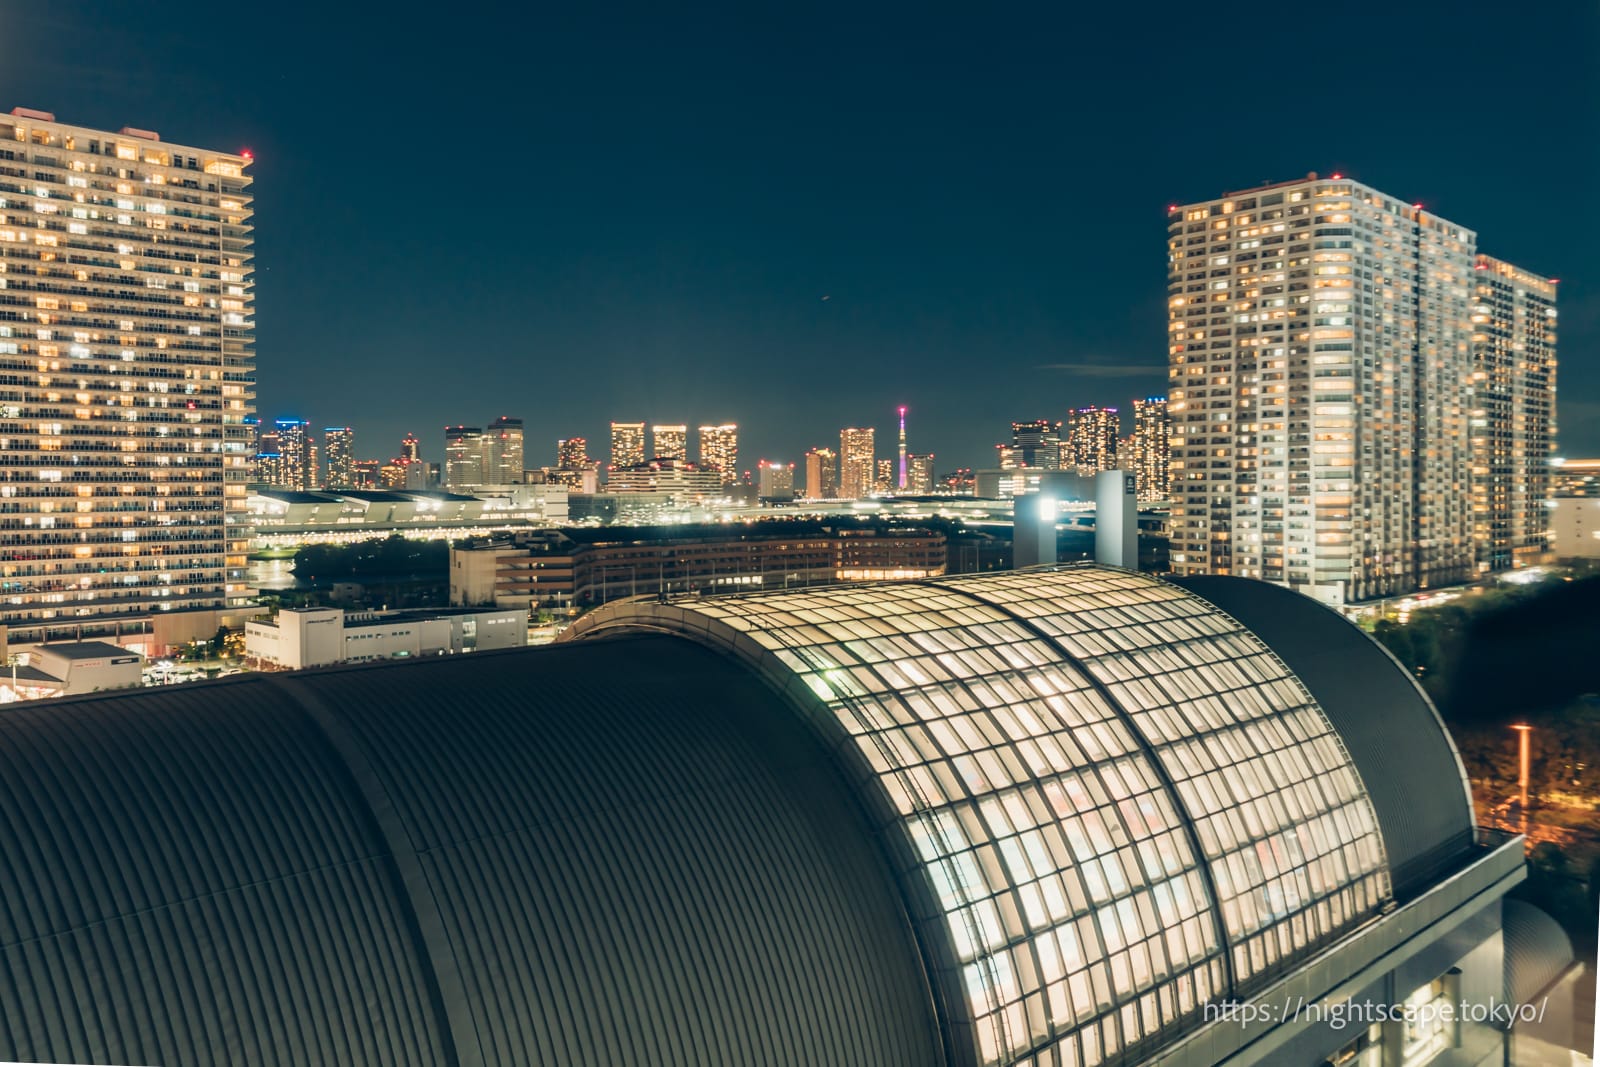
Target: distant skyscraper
<point>777,481</point>
<point>960,481</point>
<point>671,442</point>
<point>719,450</point>
<point>572,454</point>
<point>503,456</point>
<point>1036,443</point>
<point>269,463</point>
<point>127,357</point>
<point>858,455</point>
<point>901,482</point>
<point>268,459</point>
<point>822,474</point>
<point>1152,448</point>
<point>366,474</point>
<point>1320,354</point>
<point>1092,439</point>
<point>1513,413</point>
<point>410,448</point>
<point>883,483</point>
<point>299,460</point>
<point>919,476</point>
<point>463,458</point>
<point>627,444</point>
<point>338,453</point>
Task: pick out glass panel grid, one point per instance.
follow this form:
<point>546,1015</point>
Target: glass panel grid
<point>1287,828</point>
<point>1071,891</point>
<point>1081,917</point>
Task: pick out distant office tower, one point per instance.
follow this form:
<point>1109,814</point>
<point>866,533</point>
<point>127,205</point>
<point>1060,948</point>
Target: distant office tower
<point>857,462</point>
<point>777,481</point>
<point>822,474</point>
<point>463,458</point>
<point>627,444</point>
<point>1152,448</point>
<point>392,475</point>
<point>1092,439</point>
<point>502,452</point>
<point>410,448</point>
<point>338,448</point>
<point>884,481</point>
<point>297,447</point>
<point>1036,443</point>
<point>960,481</point>
<point>900,482</point>
<point>919,474</point>
<point>1513,413</point>
<point>1320,351</point>
<point>126,353</point>
<point>268,459</point>
<point>671,442</point>
<point>366,473</point>
<point>719,450</point>
<point>572,454</point>
<point>269,464</point>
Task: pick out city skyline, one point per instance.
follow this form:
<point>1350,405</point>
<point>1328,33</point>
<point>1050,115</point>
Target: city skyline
<point>684,278</point>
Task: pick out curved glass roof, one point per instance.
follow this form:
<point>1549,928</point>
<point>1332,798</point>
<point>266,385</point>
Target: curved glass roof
<point>1122,802</point>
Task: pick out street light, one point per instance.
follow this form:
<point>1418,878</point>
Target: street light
<point>1523,730</point>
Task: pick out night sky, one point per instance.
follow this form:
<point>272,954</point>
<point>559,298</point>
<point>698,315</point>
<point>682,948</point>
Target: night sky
<point>799,219</point>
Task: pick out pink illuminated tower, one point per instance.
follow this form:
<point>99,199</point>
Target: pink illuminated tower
<point>902,447</point>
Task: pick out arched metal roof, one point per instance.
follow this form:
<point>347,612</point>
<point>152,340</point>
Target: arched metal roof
<point>1390,727</point>
<point>1113,802</point>
<point>1031,818</point>
<point>1537,950</point>
<point>620,853</point>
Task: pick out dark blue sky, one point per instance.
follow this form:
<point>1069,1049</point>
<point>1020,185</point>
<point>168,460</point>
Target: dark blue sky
<point>582,212</point>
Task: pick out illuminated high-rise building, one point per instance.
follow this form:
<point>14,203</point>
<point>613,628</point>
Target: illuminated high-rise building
<point>670,442</point>
<point>1320,355</point>
<point>269,464</point>
<point>883,482</point>
<point>572,454</point>
<point>1152,448</point>
<point>366,473</point>
<point>1513,413</point>
<point>919,474</point>
<point>338,457</point>
<point>126,346</point>
<point>410,448</point>
<point>776,480</point>
<point>1092,434</point>
<point>858,456</point>
<point>900,482</point>
<point>502,452</point>
<point>719,450</point>
<point>822,474</point>
<point>1035,443</point>
<point>267,461</point>
<point>463,458</point>
<point>296,444</point>
<point>627,444</point>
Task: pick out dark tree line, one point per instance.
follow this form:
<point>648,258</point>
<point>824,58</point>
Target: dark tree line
<point>1496,656</point>
<point>390,557</point>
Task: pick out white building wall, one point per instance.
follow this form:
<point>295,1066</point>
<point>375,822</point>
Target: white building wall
<point>321,636</point>
<point>1575,522</point>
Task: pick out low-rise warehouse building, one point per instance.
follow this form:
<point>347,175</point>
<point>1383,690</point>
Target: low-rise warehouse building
<point>558,568</point>
<point>318,637</point>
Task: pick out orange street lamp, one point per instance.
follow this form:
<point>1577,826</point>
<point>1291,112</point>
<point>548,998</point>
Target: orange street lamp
<point>1523,730</point>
